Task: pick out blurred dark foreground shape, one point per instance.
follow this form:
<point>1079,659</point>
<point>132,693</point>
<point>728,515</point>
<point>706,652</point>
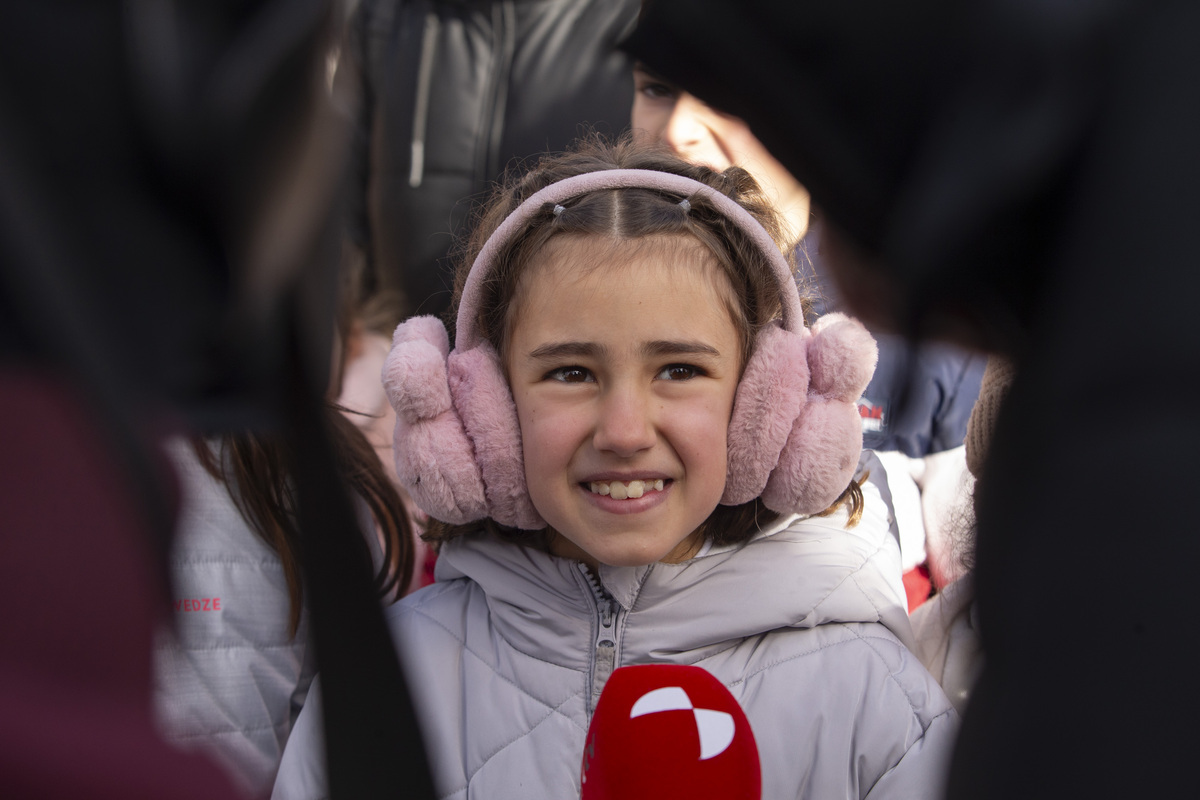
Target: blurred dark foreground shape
<point>167,264</point>
<point>1022,176</point>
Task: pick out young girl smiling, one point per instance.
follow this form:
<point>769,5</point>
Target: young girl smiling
<point>638,454</point>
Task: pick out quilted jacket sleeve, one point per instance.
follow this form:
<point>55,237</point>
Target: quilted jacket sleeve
<point>922,772</point>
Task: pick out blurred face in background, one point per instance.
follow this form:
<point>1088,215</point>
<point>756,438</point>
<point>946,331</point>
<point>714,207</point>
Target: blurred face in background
<point>701,134</point>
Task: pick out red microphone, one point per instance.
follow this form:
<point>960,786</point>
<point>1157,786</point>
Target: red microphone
<point>663,731</point>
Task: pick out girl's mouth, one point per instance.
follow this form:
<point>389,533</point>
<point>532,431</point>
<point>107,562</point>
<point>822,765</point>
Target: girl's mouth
<point>622,490</point>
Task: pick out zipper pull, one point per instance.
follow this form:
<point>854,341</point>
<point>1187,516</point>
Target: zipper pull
<point>606,662</point>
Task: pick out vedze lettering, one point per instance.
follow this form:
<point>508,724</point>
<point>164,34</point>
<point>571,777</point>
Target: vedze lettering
<point>198,604</point>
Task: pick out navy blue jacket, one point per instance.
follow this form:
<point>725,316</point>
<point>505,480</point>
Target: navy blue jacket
<point>921,394</point>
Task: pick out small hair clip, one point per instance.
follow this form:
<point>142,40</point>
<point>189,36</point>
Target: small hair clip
<point>685,205</point>
<point>558,209</point>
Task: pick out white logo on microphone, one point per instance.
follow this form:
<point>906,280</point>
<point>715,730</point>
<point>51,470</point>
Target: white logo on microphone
<point>715,727</point>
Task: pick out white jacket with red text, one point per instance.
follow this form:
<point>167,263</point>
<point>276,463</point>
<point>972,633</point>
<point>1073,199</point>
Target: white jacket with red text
<point>229,676</point>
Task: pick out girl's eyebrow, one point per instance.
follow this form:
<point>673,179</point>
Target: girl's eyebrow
<point>553,351</point>
<point>671,348</point>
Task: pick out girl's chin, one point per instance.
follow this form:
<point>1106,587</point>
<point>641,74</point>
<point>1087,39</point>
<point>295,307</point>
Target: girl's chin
<point>564,547</point>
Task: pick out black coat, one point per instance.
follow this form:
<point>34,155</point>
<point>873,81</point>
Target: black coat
<point>453,93</point>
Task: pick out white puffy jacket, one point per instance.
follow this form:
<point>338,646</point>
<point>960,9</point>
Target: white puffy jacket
<point>229,676</point>
<point>805,624</point>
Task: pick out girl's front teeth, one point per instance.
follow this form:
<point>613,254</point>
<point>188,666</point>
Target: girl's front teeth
<point>619,490</point>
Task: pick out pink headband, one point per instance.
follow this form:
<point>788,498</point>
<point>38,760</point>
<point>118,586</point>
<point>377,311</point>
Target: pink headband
<point>467,336</point>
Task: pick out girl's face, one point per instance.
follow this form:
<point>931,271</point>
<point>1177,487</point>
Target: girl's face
<point>624,375</point>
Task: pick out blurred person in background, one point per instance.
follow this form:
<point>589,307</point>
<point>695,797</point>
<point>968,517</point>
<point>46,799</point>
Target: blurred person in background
<point>233,669</point>
<point>451,96</point>
<point>947,627</point>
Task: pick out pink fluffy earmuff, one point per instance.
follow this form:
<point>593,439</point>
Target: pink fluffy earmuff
<point>794,437</point>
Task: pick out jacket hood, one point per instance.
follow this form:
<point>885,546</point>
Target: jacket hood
<point>800,573</point>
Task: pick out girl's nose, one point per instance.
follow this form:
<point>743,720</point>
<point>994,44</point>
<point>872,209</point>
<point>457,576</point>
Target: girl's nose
<point>624,425</point>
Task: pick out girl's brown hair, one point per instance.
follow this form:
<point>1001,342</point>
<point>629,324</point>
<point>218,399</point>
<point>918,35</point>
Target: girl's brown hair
<point>625,215</point>
<point>254,469</point>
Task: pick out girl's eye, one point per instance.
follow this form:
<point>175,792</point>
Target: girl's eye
<point>570,375</point>
<point>679,372</point>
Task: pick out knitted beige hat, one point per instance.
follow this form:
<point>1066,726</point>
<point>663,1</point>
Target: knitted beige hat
<point>997,377</point>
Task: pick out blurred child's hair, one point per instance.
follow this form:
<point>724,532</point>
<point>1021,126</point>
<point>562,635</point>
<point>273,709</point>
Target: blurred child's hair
<point>254,468</point>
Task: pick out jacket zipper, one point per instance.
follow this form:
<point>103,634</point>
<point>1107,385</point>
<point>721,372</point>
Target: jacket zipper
<point>604,650</point>
<point>416,170</point>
